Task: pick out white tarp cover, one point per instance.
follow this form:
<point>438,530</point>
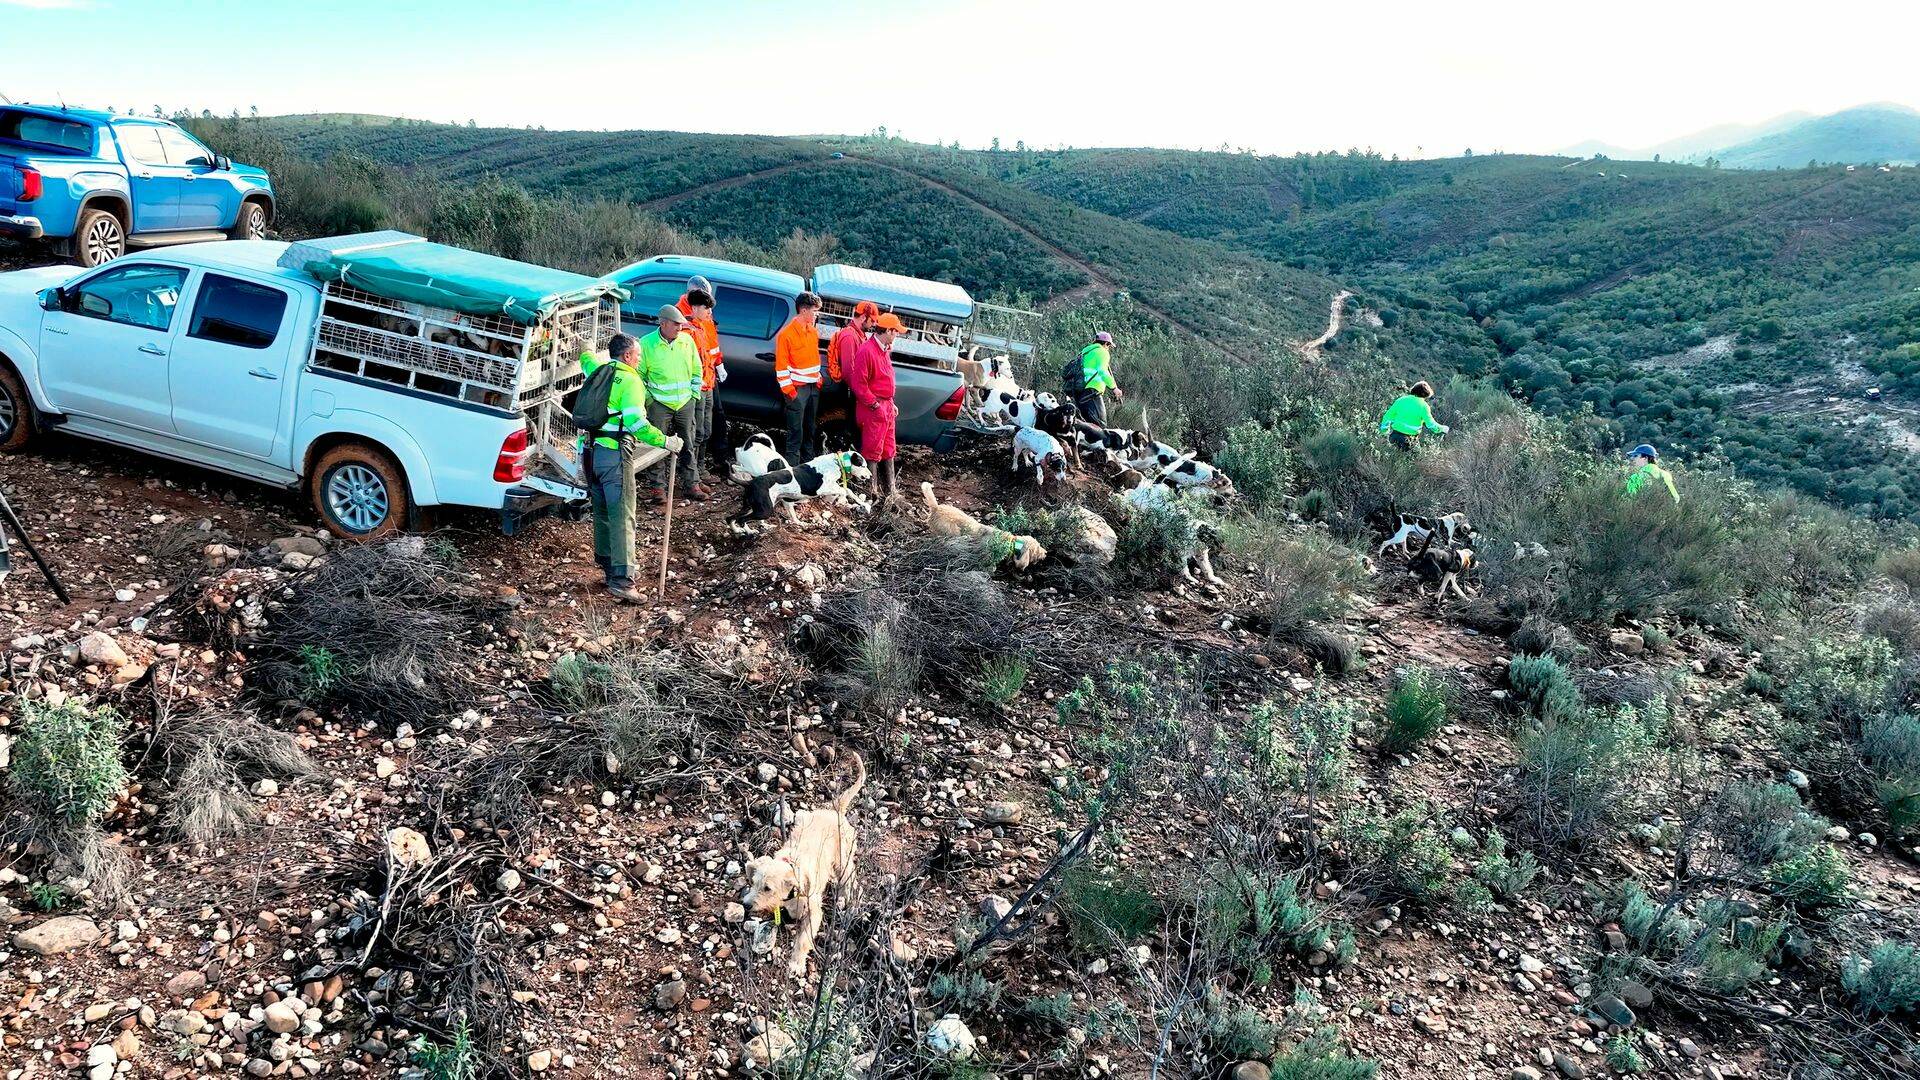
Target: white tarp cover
<point>854,283</point>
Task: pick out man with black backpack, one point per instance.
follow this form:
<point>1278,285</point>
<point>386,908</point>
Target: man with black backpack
<point>610,412</point>
<point>1089,376</point>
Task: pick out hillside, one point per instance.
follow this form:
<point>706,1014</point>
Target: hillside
<point>1867,135</point>
<point>1719,313</point>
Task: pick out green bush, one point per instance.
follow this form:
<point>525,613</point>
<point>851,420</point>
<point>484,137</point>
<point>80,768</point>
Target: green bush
<point>1623,1056</point>
<point>1546,688</point>
<point>320,670</point>
<point>1505,875</point>
<point>1261,465</point>
<point>1153,543</point>
<point>1903,566</point>
<point>1734,954</point>
<point>1892,744</point>
<point>1103,908</point>
<point>1655,928</point>
<point>66,763</point>
<point>1309,577</point>
<point>1643,558</point>
<point>1814,881</point>
<point>1830,679</point>
<point>1885,981</point>
<point>1900,798</point>
<point>1002,678</point>
<point>459,1059</point>
<point>1401,857</point>
<point>1252,918</point>
<point>1763,824</point>
<point>1579,775</point>
<point>1416,709</point>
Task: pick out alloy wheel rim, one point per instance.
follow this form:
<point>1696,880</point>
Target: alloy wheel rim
<point>8,414</point>
<point>357,498</point>
<point>103,240</point>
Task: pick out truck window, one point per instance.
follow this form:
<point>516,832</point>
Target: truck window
<point>141,295</point>
<point>748,314</point>
<point>650,295</point>
<point>141,143</point>
<point>182,149</point>
<point>237,312</point>
<point>46,131</point>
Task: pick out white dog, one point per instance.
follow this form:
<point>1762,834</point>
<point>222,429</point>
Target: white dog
<point>756,458</point>
<point>1191,472</point>
<point>1035,449</point>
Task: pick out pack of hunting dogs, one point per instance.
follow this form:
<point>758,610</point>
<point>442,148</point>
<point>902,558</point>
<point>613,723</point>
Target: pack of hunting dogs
<point>1049,438</point>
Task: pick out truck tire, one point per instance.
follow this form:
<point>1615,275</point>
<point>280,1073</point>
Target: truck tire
<point>98,237</point>
<point>359,492</point>
<point>16,411</point>
<point>252,222</point>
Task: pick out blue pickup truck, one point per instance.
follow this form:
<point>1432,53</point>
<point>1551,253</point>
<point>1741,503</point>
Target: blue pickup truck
<point>94,184</point>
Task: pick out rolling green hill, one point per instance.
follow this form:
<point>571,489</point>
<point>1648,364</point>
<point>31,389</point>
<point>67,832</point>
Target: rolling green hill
<point>1868,135</point>
<point>1720,313</point>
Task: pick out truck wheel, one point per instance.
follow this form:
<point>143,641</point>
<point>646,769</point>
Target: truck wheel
<point>252,223</point>
<point>98,237</point>
<point>359,492</point>
<point>16,411</point>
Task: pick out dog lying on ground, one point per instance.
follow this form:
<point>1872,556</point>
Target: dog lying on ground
<point>1445,566</point>
<point>756,457</point>
<point>945,520</point>
<point>825,477</point>
<point>792,882</point>
<point>1035,449</point>
<point>1414,527</point>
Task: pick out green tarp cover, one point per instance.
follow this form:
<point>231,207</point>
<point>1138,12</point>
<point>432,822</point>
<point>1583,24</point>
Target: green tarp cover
<point>460,280</point>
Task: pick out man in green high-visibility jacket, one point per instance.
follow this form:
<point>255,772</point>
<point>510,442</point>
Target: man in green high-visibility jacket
<point>608,465</point>
<point>670,365</point>
<point>1642,458</point>
<point>1409,415</point>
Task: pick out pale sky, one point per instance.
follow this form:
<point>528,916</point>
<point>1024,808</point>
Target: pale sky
<point>1427,77</point>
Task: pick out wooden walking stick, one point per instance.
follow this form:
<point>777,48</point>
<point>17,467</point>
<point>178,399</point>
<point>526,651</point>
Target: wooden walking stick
<point>666,535</point>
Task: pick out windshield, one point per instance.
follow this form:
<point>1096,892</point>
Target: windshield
<point>48,131</point>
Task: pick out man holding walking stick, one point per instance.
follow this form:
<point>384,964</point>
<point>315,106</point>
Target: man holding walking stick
<point>611,413</point>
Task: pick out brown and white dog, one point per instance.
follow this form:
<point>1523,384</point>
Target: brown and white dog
<point>945,520</point>
<point>792,883</point>
<point>1446,567</point>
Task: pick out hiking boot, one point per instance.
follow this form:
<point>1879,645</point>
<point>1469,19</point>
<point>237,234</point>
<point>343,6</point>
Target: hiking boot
<point>626,594</point>
<point>659,496</point>
<point>700,492</point>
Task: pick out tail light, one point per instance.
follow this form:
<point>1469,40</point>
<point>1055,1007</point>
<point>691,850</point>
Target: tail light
<point>952,408</point>
<point>511,466</point>
<point>30,184</point>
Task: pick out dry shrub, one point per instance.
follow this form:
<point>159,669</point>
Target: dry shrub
<point>929,615</point>
<point>640,717</point>
<point>386,631</point>
<point>206,762</point>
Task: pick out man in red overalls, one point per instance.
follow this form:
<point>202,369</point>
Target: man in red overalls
<point>870,377</point>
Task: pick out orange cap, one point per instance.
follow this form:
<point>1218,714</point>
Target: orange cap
<point>866,308</point>
<point>889,321</point>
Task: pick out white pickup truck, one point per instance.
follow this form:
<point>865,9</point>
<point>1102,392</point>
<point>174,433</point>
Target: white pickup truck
<point>380,373</point>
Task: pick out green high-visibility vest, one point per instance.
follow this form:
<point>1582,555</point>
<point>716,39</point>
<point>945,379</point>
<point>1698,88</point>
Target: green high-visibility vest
<point>1096,368</point>
<point>671,369</point>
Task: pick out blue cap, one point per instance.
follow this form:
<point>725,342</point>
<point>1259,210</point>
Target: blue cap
<point>1644,450</point>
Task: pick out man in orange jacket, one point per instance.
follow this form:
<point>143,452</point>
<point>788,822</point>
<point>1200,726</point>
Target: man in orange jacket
<point>697,305</point>
<point>846,343</point>
<point>796,368</point>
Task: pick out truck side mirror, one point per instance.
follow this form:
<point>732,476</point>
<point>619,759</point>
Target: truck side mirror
<point>222,162</point>
<point>51,299</point>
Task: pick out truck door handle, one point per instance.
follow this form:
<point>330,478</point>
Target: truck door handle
<point>153,350</point>
<point>767,356</point>
<point>263,373</point>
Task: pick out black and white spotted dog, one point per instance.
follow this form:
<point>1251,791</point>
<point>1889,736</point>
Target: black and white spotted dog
<point>1415,528</point>
<point>1035,449</point>
<point>1190,472</point>
<point>828,476</point>
<point>756,457</point>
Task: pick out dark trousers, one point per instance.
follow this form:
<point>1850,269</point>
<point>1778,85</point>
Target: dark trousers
<point>1401,441</point>
<point>718,448</point>
<point>803,424</point>
<point>1093,407</point>
<point>684,422</point>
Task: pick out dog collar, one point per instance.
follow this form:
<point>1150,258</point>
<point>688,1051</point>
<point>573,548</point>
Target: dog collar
<point>1018,544</point>
<point>779,913</point>
<point>845,461</point>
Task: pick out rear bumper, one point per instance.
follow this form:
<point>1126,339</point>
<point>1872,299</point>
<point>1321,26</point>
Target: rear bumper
<point>524,505</point>
<point>21,227</point>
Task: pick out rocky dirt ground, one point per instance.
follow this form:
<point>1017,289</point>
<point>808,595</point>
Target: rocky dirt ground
<point>632,955</point>
<point>635,954</point>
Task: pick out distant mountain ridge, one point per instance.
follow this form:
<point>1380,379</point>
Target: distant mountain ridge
<point>1883,132</point>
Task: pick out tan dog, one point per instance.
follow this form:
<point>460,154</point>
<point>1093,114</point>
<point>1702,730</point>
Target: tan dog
<point>792,882</point>
<point>945,520</point>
